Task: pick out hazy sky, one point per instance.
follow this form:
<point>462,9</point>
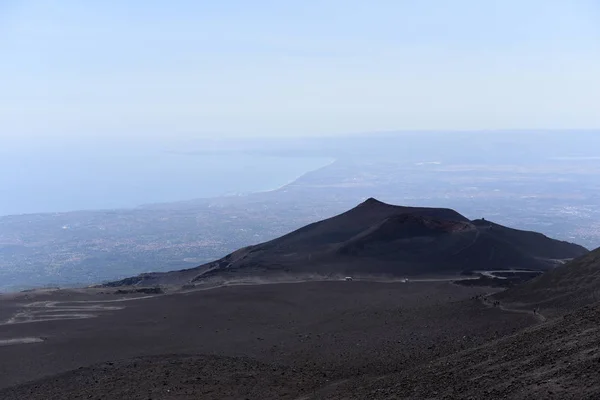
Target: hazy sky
<point>72,67</point>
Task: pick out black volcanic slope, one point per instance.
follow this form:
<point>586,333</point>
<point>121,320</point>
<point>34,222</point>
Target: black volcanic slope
<point>558,359</point>
<point>569,286</point>
<point>375,238</point>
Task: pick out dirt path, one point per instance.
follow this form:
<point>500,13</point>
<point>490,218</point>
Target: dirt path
<point>489,303</point>
<point>22,340</point>
<point>477,234</point>
<point>40,311</point>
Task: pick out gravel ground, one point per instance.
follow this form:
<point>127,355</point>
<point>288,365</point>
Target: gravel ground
<point>300,340</point>
<point>559,359</point>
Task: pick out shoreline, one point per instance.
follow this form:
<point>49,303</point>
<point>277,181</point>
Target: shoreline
<point>11,289</point>
<point>163,203</point>
<point>333,161</point>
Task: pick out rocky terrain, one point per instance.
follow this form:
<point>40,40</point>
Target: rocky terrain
<point>266,341</point>
<point>562,289</point>
<point>311,340</point>
<point>559,359</point>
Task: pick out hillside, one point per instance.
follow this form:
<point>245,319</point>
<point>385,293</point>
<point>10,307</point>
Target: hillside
<point>567,287</point>
<point>375,238</point>
<point>558,360</point>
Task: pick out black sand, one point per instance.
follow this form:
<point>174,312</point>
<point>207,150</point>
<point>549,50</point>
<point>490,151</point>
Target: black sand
<point>315,334</point>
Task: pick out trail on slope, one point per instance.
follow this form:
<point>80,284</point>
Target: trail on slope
<point>486,301</point>
<point>41,311</point>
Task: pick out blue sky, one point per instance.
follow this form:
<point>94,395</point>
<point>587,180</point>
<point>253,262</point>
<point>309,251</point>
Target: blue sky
<point>177,68</point>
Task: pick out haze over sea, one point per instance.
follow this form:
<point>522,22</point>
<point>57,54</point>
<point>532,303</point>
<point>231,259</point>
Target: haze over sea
<point>85,177</point>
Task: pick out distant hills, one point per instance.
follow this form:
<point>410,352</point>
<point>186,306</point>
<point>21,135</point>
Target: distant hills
<point>376,238</point>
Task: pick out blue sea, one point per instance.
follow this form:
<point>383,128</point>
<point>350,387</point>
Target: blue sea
<point>59,177</point>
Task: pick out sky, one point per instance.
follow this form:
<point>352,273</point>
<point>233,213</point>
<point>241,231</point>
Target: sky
<point>135,68</point>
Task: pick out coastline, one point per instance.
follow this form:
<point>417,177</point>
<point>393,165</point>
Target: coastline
<point>333,161</point>
<point>326,161</point>
<point>17,287</point>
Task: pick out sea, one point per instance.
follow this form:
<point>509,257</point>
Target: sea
<point>55,178</point>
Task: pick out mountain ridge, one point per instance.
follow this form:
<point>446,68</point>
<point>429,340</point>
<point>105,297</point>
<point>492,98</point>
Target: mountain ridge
<point>376,238</point>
